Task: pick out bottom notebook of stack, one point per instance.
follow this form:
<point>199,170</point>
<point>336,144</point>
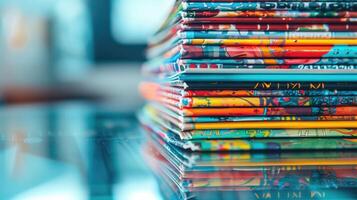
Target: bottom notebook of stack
<point>259,175</point>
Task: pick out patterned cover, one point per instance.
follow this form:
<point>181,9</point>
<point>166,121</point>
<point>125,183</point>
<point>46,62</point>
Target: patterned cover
<point>266,13</point>
<point>270,27</point>
<point>266,85</point>
<point>303,6</point>
<point>264,143</point>
<point>329,126</point>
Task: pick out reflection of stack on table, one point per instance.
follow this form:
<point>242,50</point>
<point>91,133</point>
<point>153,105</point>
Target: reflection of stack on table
<point>247,75</point>
<point>260,175</point>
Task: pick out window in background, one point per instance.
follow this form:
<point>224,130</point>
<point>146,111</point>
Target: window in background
<point>121,27</point>
<point>134,21</point>
<point>72,39</point>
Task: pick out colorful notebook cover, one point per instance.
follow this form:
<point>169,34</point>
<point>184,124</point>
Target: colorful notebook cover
<point>244,101</point>
<point>190,121</point>
<point>269,27</point>
<point>293,76</point>
<point>261,111</point>
<point>161,110</point>
<point>270,13</point>
<point>155,68</point>
<point>251,128</point>
<point>266,20</point>
<point>285,101</point>
<point>259,46</point>
<point>251,31</point>
<point>243,6</point>
<point>273,42</point>
<point>222,51</point>
<point>152,89</point>
<point>279,85</point>
<point>267,111</point>
<point>264,35</point>
<point>173,120</point>
<point>172,68</point>
<point>273,61</point>
<point>250,144</point>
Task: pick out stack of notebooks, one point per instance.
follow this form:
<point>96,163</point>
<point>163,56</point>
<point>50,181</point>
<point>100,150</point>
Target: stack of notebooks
<point>254,75</point>
<point>240,93</point>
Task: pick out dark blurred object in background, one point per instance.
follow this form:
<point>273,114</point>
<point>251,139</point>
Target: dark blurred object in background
<point>22,95</point>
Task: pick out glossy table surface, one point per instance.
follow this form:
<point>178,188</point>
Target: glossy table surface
<point>79,150</point>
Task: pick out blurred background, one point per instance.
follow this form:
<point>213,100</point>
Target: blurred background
<point>59,49</point>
